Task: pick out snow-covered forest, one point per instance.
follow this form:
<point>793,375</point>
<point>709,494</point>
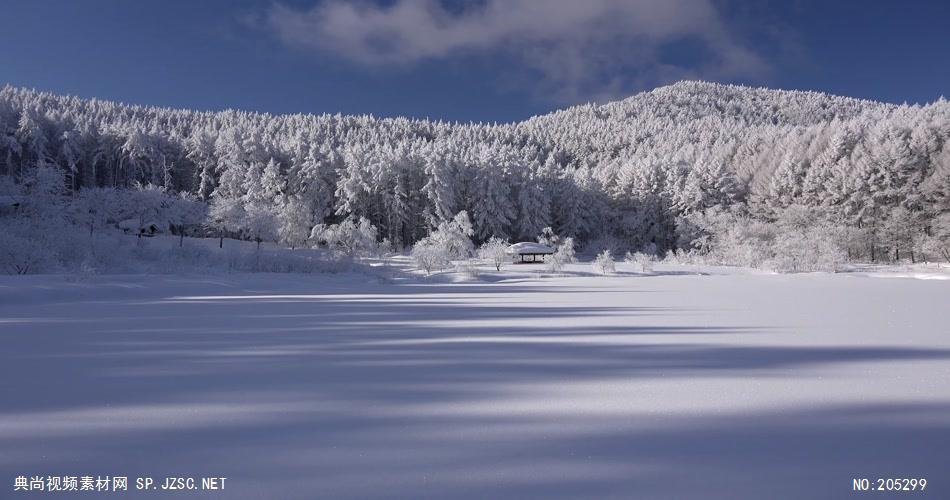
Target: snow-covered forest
<point>737,175</point>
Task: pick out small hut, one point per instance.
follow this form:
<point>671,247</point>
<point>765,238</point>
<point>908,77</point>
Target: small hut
<point>526,249</point>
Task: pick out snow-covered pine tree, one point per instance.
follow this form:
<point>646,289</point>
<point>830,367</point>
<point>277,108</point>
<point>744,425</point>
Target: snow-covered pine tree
<point>492,206</point>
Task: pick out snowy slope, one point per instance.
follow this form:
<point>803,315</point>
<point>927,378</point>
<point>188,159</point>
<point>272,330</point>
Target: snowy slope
<point>728,385</point>
<point>691,100</point>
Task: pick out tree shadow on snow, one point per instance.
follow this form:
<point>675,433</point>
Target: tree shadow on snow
<point>431,391</point>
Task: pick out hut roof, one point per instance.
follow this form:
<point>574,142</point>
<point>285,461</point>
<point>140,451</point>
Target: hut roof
<point>529,247</point>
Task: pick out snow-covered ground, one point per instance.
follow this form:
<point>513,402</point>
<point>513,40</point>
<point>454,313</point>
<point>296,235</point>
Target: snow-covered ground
<point>689,383</point>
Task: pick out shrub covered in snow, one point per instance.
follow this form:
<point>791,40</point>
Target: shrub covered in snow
<point>495,251</point>
<point>22,255</point>
<point>350,238</point>
<point>642,262</point>
<point>430,255</point>
<point>184,211</point>
<point>684,257</point>
<point>455,236</point>
<point>549,238</point>
<point>801,239</point>
<point>563,256</point>
<point>225,217</point>
<point>604,263</point>
<point>93,208</point>
<point>260,224</point>
<point>468,268</point>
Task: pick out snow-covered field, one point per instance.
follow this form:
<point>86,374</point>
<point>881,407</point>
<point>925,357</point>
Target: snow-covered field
<point>724,385</point>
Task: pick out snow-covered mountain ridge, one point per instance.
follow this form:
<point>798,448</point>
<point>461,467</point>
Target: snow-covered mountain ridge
<point>625,169</point>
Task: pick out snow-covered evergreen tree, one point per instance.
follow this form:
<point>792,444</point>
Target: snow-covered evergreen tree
<point>493,207</point>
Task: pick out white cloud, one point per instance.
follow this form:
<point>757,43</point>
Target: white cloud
<point>573,49</point>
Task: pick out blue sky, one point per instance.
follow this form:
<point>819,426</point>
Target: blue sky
<point>479,60</point>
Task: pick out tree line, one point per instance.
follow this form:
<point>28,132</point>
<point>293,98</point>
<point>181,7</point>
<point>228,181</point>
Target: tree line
<point>690,167</point>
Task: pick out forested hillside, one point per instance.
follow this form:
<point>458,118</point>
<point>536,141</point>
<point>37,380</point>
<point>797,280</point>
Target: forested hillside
<point>695,166</point>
